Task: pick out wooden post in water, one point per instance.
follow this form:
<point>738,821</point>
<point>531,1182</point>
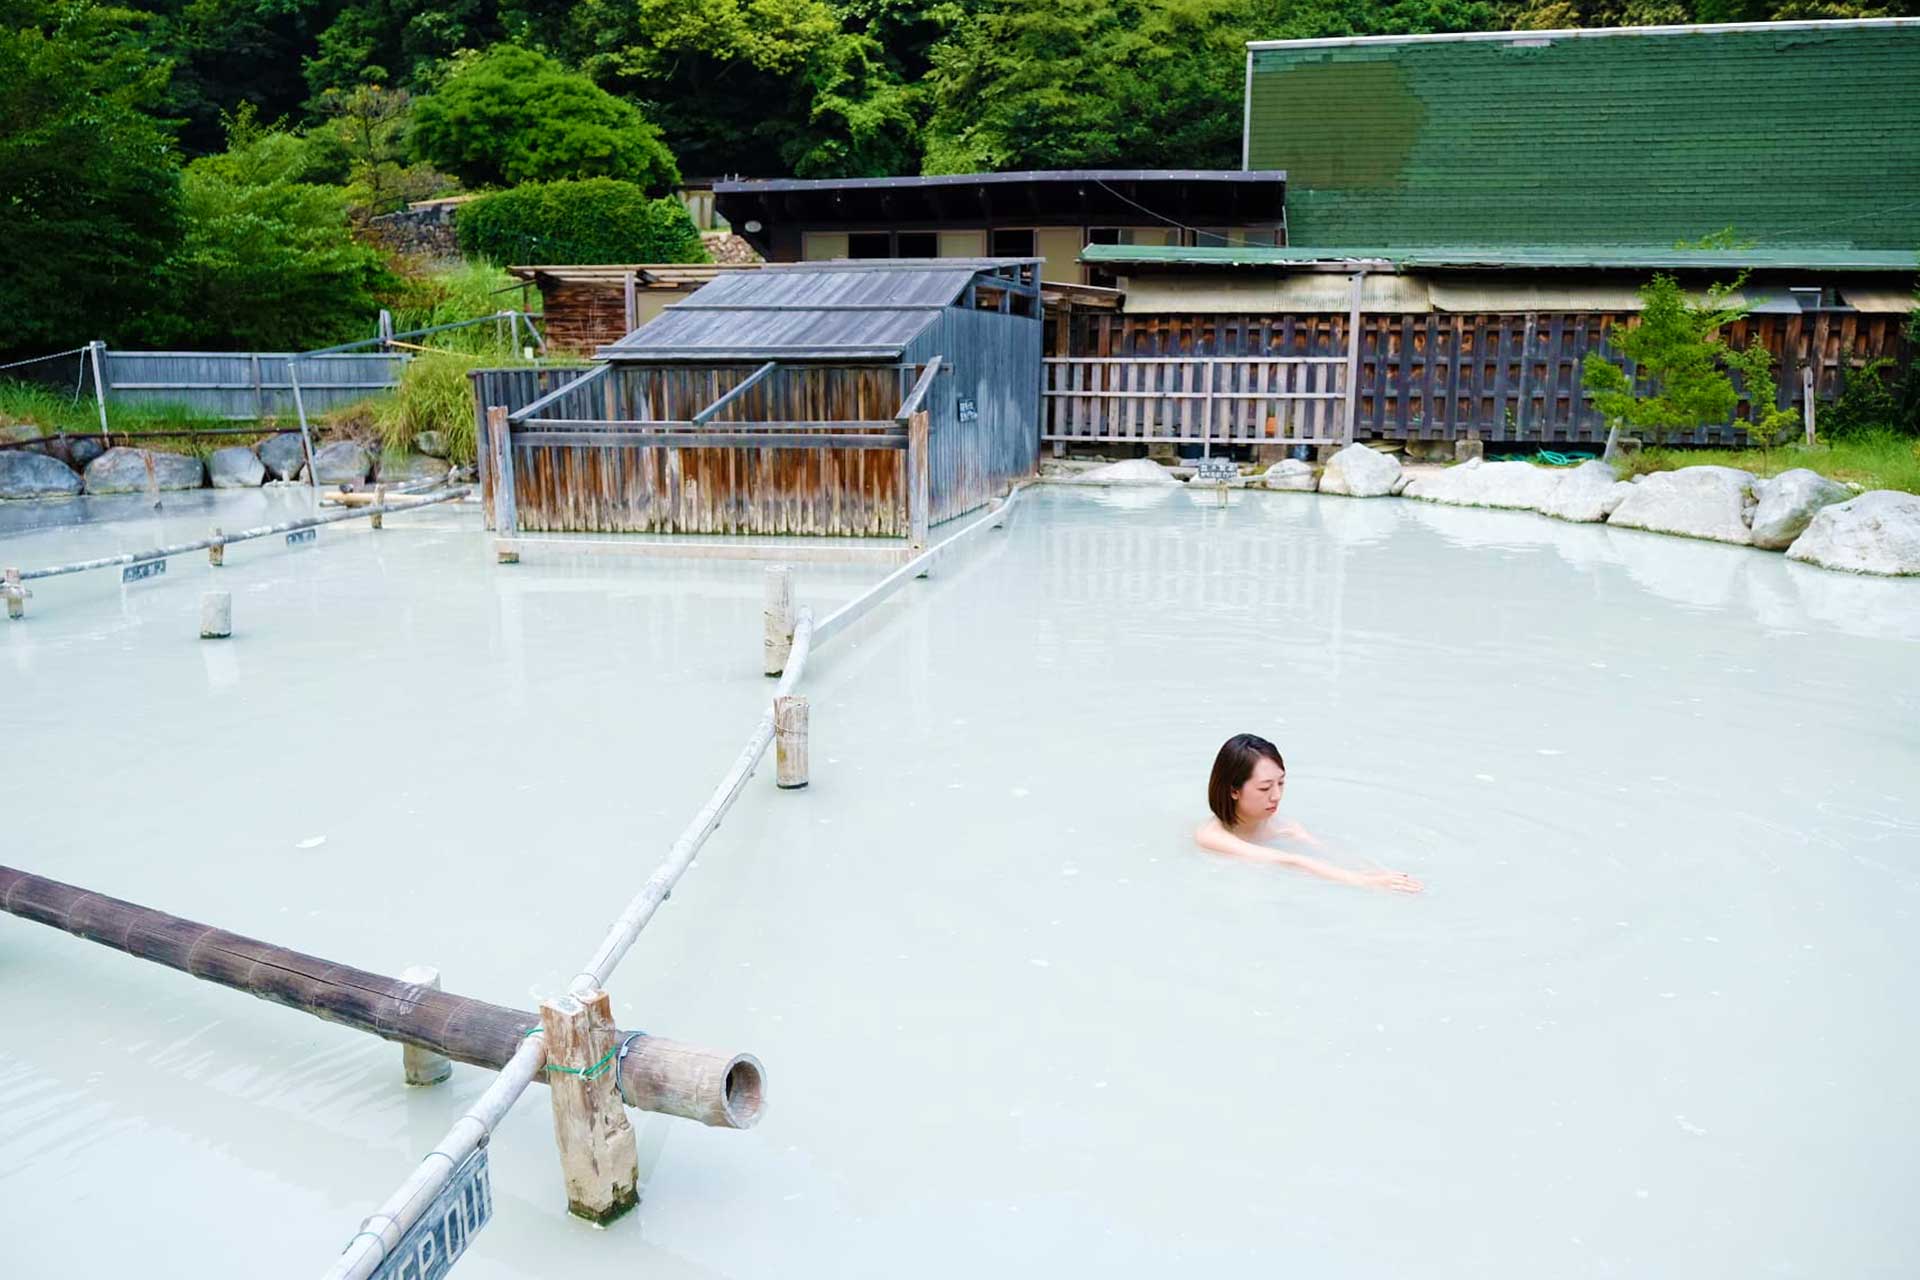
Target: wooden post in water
<point>598,1155</point>
<point>500,475</point>
<point>919,471</point>
<point>377,517</point>
<point>423,1066</point>
<point>777,619</point>
<point>16,594</point>
<point>790,741</point>
<point>217,553</point>
<point>216,615</point>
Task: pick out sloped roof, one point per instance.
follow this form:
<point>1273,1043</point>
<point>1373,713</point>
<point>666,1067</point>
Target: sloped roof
<point>843,310</point>
<point>1791,133</point>
<point>1641,258</point>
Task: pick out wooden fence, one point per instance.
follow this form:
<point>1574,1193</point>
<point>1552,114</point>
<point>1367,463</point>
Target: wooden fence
<point>1209,401</point>
<point>1509,377</point>
<point>246,385</point>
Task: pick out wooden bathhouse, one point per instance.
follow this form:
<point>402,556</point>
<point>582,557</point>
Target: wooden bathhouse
<point>845,400</point>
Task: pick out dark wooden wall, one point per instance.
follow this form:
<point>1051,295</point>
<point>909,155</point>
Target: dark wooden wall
<point>1510,377</point>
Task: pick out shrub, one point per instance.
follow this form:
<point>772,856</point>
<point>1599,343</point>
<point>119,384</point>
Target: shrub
<point>1686,365</point>
<point>434,395</point>
<point>512,115</point>
<point>467,291</point>
<point>596,220</point>
<point>1867,402</point>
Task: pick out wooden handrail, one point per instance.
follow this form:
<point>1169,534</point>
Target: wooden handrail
<point>739,389</point>
<point>911,405</point>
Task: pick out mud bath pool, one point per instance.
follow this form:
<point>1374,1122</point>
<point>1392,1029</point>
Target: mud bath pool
<point>1650,1018</point>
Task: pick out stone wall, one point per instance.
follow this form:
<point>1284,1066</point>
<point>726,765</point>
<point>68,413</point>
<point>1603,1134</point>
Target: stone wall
<point>419,231</point>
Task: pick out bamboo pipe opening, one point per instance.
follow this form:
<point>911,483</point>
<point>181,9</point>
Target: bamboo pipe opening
<point>744,1093</point>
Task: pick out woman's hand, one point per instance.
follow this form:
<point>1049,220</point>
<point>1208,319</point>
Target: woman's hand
<point>1398,881</point>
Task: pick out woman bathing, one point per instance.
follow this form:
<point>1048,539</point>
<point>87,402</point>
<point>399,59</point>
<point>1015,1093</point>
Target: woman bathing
<point>1244,794</point>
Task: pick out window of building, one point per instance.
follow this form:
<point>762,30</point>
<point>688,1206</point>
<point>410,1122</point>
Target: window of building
<point>1012,243</point>
<point>916,244</point>
<point>869,244</point>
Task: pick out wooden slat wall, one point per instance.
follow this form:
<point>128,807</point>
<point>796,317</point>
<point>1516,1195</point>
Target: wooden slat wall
<point>994,360</point>
<point>764,491</point>
<point>247,385</point>
<point>1510,377</point>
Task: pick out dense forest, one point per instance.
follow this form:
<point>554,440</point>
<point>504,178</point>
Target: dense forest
<point>193,171</point>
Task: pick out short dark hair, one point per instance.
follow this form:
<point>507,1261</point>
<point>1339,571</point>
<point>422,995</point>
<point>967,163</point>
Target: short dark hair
<point>1231,769</point>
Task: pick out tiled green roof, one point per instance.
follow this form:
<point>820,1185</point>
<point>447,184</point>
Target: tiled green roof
<point>1470,257</point>
<point>1792,134</point>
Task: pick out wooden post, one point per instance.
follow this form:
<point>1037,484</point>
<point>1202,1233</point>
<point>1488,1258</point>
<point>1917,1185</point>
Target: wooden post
<point>377,517</point>
<point>1806,398</point>
<point>300,408</point>
<point>1356,284</point>
<point>598,1155</point>
<point>790,741</point>
<point>423,1066</point>
<point>918,472</point>
<point>500,459</point>
<point>777,618</point>
<point>216,615</point>
<point>16,595</point>
<point>630,303</point>
<point>96,349</point>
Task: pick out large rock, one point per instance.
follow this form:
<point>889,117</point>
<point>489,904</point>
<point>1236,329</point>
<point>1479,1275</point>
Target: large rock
<point>1290,475</point>
<point>410,468</point>
<point>123,470</point>
<point>35,475</point>
<point>1132,471</point>
<point>1714,503</point>
<point>1877,532</point>
<point>342,462</point>
<point>1590,492</point>
<point>236,467</point>
<point>84,449</point>
<point>431,443</point>
<point>1475,483</point>
<point>282,456</point>
<point>1360,472</point>
<point>1787,504</point>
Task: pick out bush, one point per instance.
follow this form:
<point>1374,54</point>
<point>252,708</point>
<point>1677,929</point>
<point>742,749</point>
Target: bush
<point>1867,402</point>
<point>434,395</point>
<point>467,291</point>
<point>598,220</point>
<point>268,261</point>
<point>512,115</point>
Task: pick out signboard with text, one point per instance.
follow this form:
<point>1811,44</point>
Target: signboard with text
<point>434,1243</point>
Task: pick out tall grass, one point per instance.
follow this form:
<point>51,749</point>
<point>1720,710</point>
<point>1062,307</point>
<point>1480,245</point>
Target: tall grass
<point>30,410</point>
<point>434,395</point>
<point>1874,459</point>
<point>467,291</point>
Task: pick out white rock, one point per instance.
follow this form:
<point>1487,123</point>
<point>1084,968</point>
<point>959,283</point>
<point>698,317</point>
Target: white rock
<point>1360,472</point>
<point>1714,503</point>
<point>1289,475</point>
<point>1590,492</point>
<point>1787,504</point>
<point>1877,532</point>
<point>1511,485</point>
<point>1132,471</point>
<point>236,467</point>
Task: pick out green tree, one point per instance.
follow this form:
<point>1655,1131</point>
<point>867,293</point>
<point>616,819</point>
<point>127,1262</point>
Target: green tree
<point>1048,84</point>
<point>394,42</point>
<point>751,86</point>
<point>89,182</point>
<point>368,125</point>
<point>268,261</point>
<point>1685,363</point>
<point>512,115</point>
<point>596,220</point>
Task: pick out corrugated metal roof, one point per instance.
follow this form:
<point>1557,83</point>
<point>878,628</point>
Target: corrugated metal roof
<point>1468,257</point>
<point>840,310</point>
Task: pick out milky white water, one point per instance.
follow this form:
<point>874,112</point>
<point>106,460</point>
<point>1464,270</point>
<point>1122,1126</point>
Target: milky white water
<point>1652,1018</point>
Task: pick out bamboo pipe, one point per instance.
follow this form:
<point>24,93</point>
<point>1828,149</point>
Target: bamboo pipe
<point>653,1074</point>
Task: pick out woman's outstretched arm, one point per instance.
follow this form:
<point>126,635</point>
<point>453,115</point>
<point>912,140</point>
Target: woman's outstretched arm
<point>1215,838</point>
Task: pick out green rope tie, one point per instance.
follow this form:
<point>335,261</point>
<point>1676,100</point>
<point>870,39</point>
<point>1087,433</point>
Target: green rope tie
<point>585,1073</point>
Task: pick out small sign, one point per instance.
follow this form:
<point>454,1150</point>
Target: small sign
<point>150,569</point>
<point>434,1243</point>
<point>1216,470</point>
<point>302,535</point>
<point>969,411</point>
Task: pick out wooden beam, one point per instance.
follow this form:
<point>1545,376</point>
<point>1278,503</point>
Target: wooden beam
<point>1356,283</point>
<point>715,1088</point>
<point>767,438</point>
<point>917,396</point>
<point>739,389</point>
<point>919,463</point>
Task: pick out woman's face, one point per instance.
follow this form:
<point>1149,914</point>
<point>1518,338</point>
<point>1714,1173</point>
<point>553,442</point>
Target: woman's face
<point>1259,798</point>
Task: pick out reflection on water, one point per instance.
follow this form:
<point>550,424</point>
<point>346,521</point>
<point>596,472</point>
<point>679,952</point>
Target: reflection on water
<point>1661,791</point>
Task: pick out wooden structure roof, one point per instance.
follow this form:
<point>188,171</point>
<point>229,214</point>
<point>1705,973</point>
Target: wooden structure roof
<point>840,310</point>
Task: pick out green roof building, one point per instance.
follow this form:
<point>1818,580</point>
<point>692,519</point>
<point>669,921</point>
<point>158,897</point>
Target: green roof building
<point>1792,134</point>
